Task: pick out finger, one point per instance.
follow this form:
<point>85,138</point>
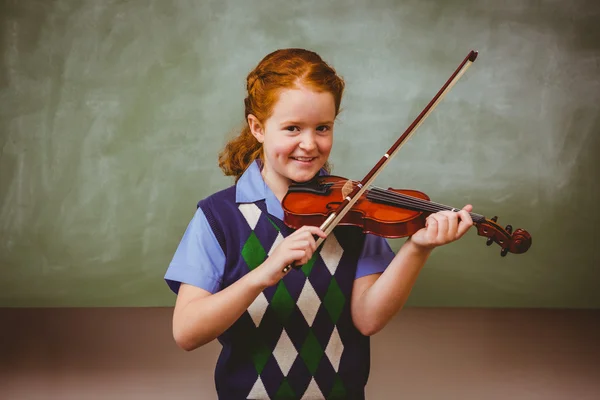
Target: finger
<point>465,217</point>
<point>310,240</point>
<point>313,244</point>
<point>452,223</point>
<point>298,256</point>
<point>308,253</point>
<point>304,259</point>
<point>442,225</point>
<point>308,235</point>
<point>300,245</point>
<point>308,230</point>
<point>432,226</point>
<point>468,208</point>
<point>294,258</point>
<point>308,246</point>
<point>315,230</point>
<point>307,257</point>
<point>465,223</point>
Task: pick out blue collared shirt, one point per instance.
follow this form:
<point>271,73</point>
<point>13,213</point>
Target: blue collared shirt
<point>199,259</point>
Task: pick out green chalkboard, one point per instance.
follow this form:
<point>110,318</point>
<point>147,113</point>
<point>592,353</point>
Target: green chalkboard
<point>112,114</point>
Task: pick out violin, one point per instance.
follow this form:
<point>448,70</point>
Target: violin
<point>328,201</point>
<point>390,213</point>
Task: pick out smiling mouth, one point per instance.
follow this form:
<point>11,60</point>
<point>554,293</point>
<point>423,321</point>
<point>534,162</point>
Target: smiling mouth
<point>303,159</point>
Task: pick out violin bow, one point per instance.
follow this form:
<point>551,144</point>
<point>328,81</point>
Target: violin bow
<point>336,216</point>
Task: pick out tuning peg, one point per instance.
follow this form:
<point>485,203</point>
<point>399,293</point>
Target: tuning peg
<point>489,241</point>
<point>504,251</point>
<point>495,219</point>
<point>508,229</point>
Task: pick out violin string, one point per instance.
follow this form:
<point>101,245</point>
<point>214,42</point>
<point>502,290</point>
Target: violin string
<point>419,204</point>
<point>400,199</point>
<point>416,202</point>
<point>409,201</point>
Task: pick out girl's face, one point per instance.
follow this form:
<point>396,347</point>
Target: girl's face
<point>297,138</point>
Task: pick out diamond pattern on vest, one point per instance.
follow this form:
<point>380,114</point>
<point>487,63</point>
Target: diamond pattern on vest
<point>251,213</point>
<point>278,240</point>
<point>258,391</point>
<point>308,302</point>
<point>334,349</point>
<point>258,308</point>
<point>282,303</point>
<point>334,300</point>
<point>312,392</point>
<point>306,305</point>
<point>338,391</point>
<point>331,253</point>
<point>285,353</point>
<point>285,391</point>
<point>253,252</point>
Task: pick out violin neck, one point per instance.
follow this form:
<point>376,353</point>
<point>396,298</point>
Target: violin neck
<point>413,203</point>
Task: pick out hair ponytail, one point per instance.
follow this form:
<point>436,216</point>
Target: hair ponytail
<point>239,153</point>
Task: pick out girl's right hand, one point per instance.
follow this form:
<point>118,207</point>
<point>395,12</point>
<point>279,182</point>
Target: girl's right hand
<point>297,248</point>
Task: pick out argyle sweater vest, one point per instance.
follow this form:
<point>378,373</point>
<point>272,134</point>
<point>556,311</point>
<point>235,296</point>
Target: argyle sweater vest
<point>297,339</point>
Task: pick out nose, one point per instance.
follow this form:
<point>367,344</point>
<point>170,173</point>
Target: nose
<point>308,142</point>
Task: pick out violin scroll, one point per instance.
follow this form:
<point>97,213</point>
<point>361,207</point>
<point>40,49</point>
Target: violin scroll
<point>516,242</point>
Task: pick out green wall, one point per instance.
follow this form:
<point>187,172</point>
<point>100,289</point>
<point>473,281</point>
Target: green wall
<point>112,114</point>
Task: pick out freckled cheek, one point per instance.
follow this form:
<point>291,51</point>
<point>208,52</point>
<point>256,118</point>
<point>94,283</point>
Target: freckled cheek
<point>284,150</point>
<point>325,145</point>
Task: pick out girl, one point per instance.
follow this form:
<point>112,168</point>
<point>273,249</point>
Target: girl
<point>301,334</point>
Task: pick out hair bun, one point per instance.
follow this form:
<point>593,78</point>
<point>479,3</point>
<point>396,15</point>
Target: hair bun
<point>251,80</point>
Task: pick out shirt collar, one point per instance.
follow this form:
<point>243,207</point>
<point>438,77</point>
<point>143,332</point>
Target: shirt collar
<point>251,187</point>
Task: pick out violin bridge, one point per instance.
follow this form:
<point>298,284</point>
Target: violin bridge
<point>346,189</point>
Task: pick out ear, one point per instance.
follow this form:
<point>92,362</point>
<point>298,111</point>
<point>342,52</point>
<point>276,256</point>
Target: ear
<point>256,128</point>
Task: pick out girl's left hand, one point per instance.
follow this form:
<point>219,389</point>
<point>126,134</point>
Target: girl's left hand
<point>443,227</point>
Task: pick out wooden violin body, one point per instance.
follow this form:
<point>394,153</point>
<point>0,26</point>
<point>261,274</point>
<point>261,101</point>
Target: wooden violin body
<point>390,213</point>
<point>311,204</point>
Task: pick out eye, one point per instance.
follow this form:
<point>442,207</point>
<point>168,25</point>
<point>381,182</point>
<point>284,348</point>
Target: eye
<point>292,128</point>
<point>323,128</point>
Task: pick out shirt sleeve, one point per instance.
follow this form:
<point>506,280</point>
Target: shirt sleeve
<point>375,256</point>
<point>199,259</point>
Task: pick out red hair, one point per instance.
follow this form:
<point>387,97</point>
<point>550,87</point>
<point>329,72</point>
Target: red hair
<point>281,69</point>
